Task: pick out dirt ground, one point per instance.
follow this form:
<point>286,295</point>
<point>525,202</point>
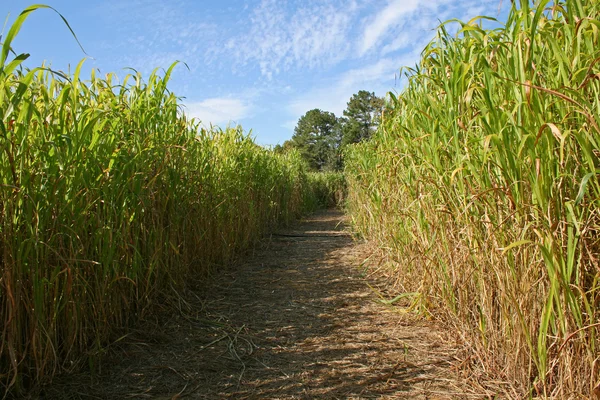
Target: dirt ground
<point>301,318</point>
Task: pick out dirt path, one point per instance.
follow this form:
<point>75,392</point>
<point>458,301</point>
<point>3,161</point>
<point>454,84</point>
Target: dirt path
<point>296,321</point>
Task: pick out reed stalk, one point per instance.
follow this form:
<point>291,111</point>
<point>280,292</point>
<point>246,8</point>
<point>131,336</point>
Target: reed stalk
<point>483,181</point>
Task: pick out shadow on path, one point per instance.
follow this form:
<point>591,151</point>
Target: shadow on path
<point>295,321</point>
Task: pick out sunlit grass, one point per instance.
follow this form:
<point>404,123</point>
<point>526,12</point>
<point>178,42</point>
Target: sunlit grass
<point>110,196</point>
<point>483,180</point>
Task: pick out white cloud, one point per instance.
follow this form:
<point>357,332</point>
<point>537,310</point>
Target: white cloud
<point>274,37</point>
<point>378,77</point>
<point>378,72</point>
<point>401,42</point>
<point>404,23</point>
<point>379,25</point>
<point>280,38</point>
<point>154,33</point>
<point>219,110</point>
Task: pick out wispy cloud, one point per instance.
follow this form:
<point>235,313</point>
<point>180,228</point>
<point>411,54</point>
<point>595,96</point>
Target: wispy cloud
<point>406,23</point>
<point>219,110</point>
<point>280,38</point>
<point>401,42</point>
<point>380,23</point>
<point>378,76</point>
<point>157,33</point>
<point>274,37</point>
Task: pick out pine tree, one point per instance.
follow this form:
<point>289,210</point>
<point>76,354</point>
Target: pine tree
<point>317,137</point>
<point>361,117</point>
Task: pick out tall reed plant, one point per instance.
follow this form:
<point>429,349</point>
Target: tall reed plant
<point>109,197</point>
<point>483,181</point>
<point>328,189</point>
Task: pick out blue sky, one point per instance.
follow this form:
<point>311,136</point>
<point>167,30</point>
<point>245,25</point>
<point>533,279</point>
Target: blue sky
<point>259,63</point>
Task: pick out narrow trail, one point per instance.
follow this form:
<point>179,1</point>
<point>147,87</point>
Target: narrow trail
<point>297,320</point>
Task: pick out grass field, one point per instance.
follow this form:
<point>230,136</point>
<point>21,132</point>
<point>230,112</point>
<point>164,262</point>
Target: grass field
<point>481,186</point>
<point>482,183</point>
<point>110,197</point>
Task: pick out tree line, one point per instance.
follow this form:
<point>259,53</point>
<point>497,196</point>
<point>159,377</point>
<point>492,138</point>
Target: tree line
<point>321,137</point>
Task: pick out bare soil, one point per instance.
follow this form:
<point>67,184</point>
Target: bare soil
<point>300,319</point>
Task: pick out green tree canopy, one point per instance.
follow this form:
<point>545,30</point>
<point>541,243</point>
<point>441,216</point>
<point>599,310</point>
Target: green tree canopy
<point>317,137</point>
<point>287,145</point>
<point>361,117</point>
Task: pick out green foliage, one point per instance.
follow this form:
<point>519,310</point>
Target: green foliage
<point>328,189</point>
<point>483,182</point>
<point>110,197</point>
<point>320,136</point>
<point>316,136</point>
<point>361,117</point>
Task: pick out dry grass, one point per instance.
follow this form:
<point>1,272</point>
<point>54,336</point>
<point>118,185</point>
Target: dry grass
<point>483,187</point>
<point>110,199</point>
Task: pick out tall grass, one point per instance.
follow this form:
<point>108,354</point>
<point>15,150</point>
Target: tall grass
<point>110,196</point>
<point>327,189</point>
<point>483,180</point>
